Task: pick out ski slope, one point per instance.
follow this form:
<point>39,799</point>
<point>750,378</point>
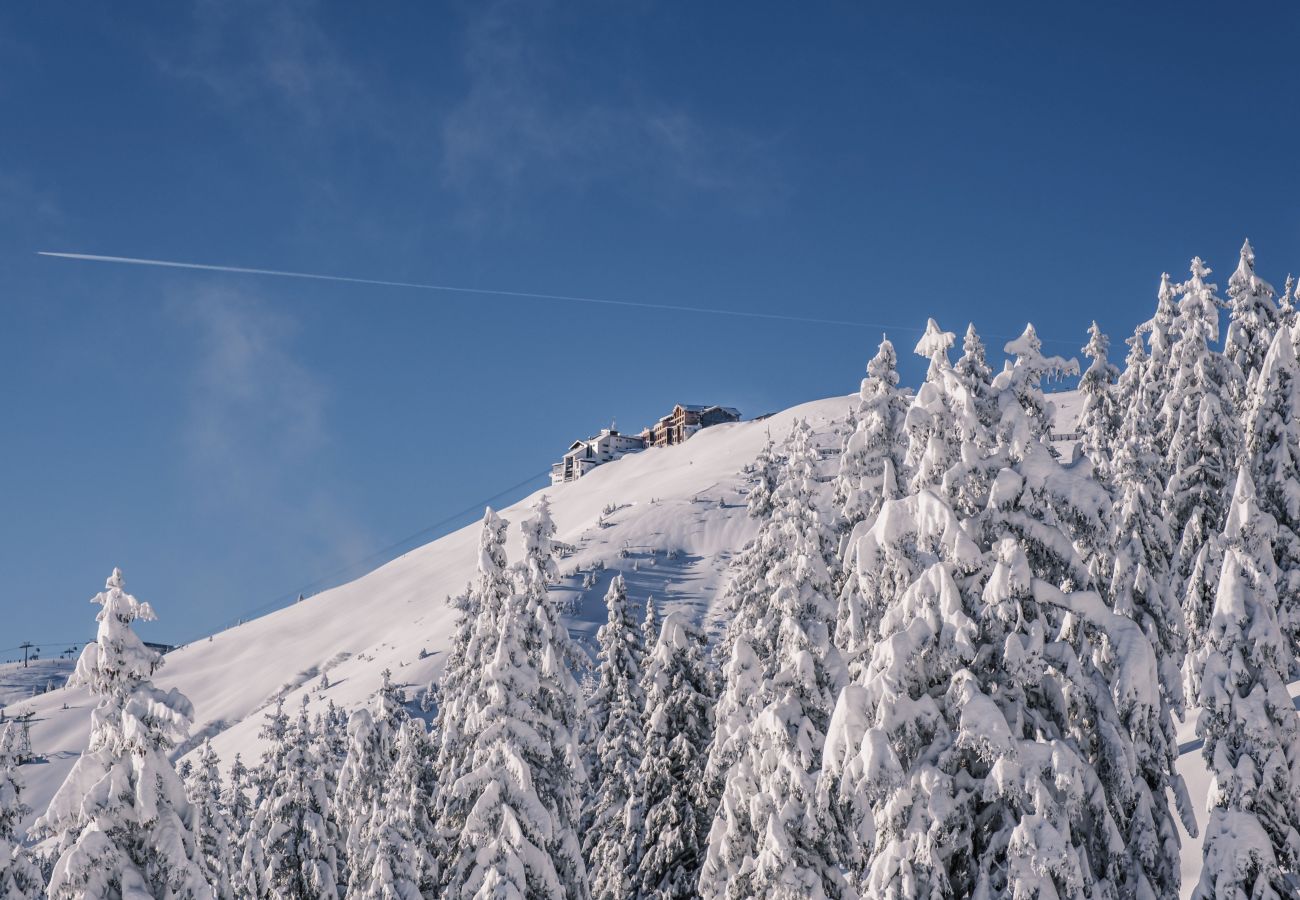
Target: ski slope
<point>668,518</point>
<point>679,514</point>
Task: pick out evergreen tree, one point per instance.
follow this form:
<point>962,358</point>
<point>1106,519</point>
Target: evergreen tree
<point>1007,737</point>
<point>616,709</point>
<point>367,769</point>
<point>292,847</point>
<point>975,376</point>
<point>1272,445</point>
<point>1162,332</point>
<point>768,836</point>
<point>1287,302</point>
<point>212,829</point>
<point>930,423</point>
<point>1100,420</point>
<point>398,860</point>
<point>515,811</point>
<point>873,453</point>
<point>473,646</point>
<point>20,879</point>
<point>1249,726</point>
<point>234,801</point>
<point>1201,422</point>
<point>121,821</point>
<point>1253,321</point>
<point>764,471</point>
<point>673,808</point>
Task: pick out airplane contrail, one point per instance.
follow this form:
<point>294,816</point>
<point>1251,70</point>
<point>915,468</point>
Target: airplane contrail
<point>451,289</point>
<point>519,295</point>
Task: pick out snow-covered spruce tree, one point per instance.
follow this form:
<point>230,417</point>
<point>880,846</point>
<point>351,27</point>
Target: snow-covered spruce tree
<point>769,835</point>
<point>748,648</point>
<point>1143,548</point>
<point>1253,321</point>
<point>473,646</point>
<point>975,376</point>
<point>514,813</point>
<point>873,453</point>
<point>212,829</point>
<point>1249,726</point>
<point>616,709</point>
<point>1202,427</point>
<point>120,819</point>
<point>273,734</point>
<point>1153,390</point>
<point>888,767</point>
<point>292,851</point>
<point>1100,419</point>
<point>362,780</point>
<point>1286,303</point>
<point>1272,446</point>
<point>236,805</point>
<point>933,440</point>
<point>764,469</point>
<point>20,879</point>
<point>672,805</point>
<point>397,862</point>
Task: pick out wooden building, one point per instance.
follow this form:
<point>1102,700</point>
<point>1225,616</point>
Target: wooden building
<point>684,421</point>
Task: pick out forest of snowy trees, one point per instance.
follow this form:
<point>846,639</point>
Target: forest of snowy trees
<point>952,668</point>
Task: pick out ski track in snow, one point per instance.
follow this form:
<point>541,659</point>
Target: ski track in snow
<point>679,518</point>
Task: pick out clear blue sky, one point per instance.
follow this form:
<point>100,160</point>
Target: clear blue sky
<point>227,439</point>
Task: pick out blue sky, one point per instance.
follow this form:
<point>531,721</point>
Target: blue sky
<point>229,439</point>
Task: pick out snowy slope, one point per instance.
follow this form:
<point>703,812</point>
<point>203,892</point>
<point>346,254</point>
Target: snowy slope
<point>19,683</point>
<point>678,517</point>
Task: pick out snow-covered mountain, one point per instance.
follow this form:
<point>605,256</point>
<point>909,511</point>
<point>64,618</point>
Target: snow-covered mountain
<point>669,519</point>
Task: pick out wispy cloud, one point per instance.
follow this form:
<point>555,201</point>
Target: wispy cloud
<point>256,428</point>
<point>255,53</point>
<point>524,122</point>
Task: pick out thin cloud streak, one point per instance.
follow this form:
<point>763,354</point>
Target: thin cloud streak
<point>525,295</point>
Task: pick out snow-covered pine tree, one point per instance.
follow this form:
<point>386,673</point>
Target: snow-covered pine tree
<point>765,468</point>
<point>1286,303</point>
<point>1100,419</point>
<point>872,456</point>
<point>360,795</point>
<point>212,829</point>
<point>1203,430</point>
<point>975,376</point>
<point>273,734</point>
<point>1273,448</point>
<point>292,847</point>
<point>616,710</point>
<point>1153,391</point>
<point>933,439</point>
<point>673,808</point>
<point>20,879</point>
<point>397,862</point>
<point>514,813</point>
<point>121,821</point>
<point>235,803</point>
<point>769,837</point>
<point>1248,723</point>
<point>1050,527</point>
<point>749,643</point>
<point>1143,547</point>
<point>1253,321</point>
<point>905,821</point>
<point>963,772</point>
<point>473,645</point>
<point>1021,388</point>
